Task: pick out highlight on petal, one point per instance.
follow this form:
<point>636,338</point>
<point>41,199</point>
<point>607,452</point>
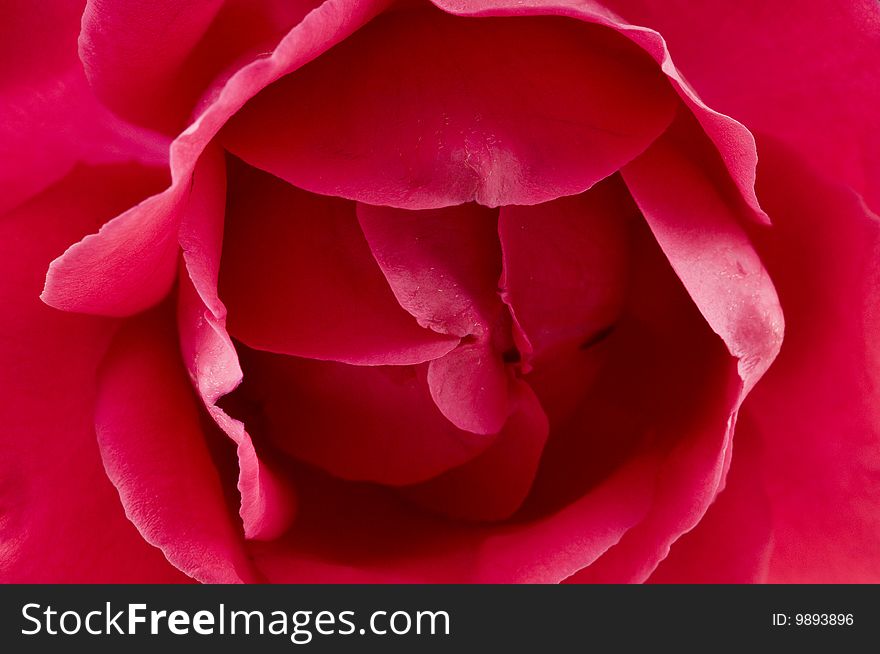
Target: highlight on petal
<point>128,266</point>
<point>299,279</point>
<point>520,126</point>
<point>155,454</point>
<point>699,230</point>
<point>267,500</point>
<point>62,521</point>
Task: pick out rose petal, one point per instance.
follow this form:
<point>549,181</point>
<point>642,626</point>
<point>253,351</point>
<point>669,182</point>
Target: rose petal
<point>584,102</point>
<point>267,502</point>
<point>817,407</point>
<point>443,266</point>
<point>731,544</point>
<point>494,484</point>
<point>155,453</point>
<point>132,50</point>
<point>807,77</point>
<point>697,227</point>
<point>51,120</point>
<point>669,396</point>
<point>734,142</point>
<point>358,533</point>
<point>128,266</point>
<point>565,266</point>
<point>299,279</point>
<point>371,423</point>
<point>60,518</point>
<point>151,61</point>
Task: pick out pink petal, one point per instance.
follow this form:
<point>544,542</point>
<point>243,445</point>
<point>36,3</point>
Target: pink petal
<point>807,77</point>
<point>359,533</point>
<point>130,264</point>
<point>371,423</point>
<point>668,396</point>
<point>697,226</point>
<point>299,279</point>
<point>155,454</point>
<point>51,120</point>
<point>383,120</point>
<point>443,266</point>
<point>732,542</point>
<point>494,484</point>
<point>61,518</point>
<point>816,410</point>
<point>565,265</point>
<point>131,51</point>
<point>734,142</point>
<point>152,62</point>
<point>267,501</point>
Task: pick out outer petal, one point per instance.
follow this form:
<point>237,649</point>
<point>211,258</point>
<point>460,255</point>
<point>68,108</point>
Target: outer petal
<point>734,142</point>
<point>51,120</point>
<point>697,227</point>
<point>808,77</point>
<point>130,257</point>
<point>155,453</point>
<point>817,408</point>
<point>267,503</point>
<point>151,61</point>
<point>60,518</point>
<point>298,278</point>
<point>732,543</point>
<point>585,101</point>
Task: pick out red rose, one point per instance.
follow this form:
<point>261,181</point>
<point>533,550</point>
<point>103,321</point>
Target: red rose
<point>481,290</point>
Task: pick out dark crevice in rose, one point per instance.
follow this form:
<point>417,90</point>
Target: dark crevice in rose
<point>598,337</point>
<point>511,356</point>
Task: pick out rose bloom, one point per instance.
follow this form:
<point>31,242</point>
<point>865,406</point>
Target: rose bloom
<point>461,291</point>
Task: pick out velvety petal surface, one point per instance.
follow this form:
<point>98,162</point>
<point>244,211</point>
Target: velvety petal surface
<point>267,500</point>
<point>732,543</point>
<point>298,278</point>
<point>807,77</point>
<point>155,453</point>
<point>370,423</point>
<point>60,517</point>
<point>384,120</point>
<point>816,410</point>
<point>443,266</point>
<point>129,265</point>
<point>734,142</point>
<point>153,61</point>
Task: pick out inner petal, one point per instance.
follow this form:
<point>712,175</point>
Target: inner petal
<point>422,110</point>
<point>443,266</point>
<point>298,278</point>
